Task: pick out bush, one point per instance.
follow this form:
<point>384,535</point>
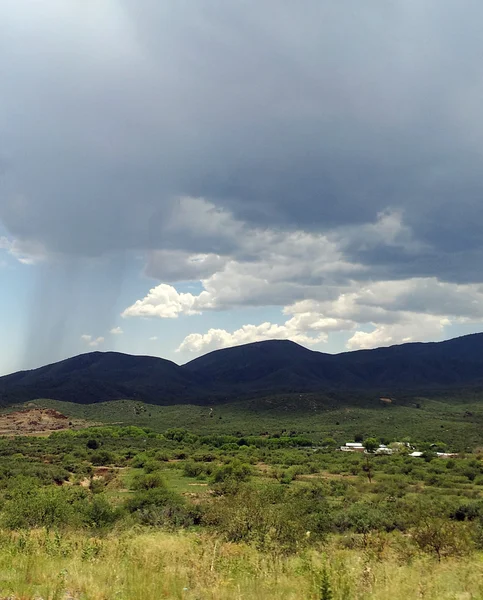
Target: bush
<point>102,458</point>
<point>391,488</point>
<point>442,537</point>
<point>160,507</point>
<point>177,435</point>
<point>148,482</point>
<point>235,470</point>
<point>467,512</point>
<point>162,455</point>
<point>274,519</point>
<point>43,507</point>
<point>99,513</point>
<point>54,507</point>
<point>150,466</point>
<point>364,517</point>
<point>195,469</point>
<point>139,460</point>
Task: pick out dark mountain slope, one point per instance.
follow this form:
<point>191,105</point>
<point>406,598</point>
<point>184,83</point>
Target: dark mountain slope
<point>98,376</point>
<point>420,365</point>
<point>284,366</point>
<point>278,365</point>
<point>270,367</point>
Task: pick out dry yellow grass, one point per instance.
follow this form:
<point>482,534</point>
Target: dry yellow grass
<point>139,565</point>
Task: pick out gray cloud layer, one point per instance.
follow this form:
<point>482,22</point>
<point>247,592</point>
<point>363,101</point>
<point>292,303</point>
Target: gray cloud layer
<point>308,115</point>
<point>356,120</point>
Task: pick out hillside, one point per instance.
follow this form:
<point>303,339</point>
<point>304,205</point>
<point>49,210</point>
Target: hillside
<point>275,365</point>
<point>101,376</point>
<point>286,366</point>
<point>271,367</point>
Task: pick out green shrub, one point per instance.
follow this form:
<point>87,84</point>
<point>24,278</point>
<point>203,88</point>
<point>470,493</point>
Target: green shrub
<point>150,466</point>
<point>160,507</point>
<point>44,507</point>
<point>442,537</point>
<point>101,458</point>
<point>148,481</point>
<point>364,517</point>
<point>195,469</point>
<point>139,460</point>
<point>235,470</point>
<point>276,519</point>
<point>467,512</point>
<point>99,513</point>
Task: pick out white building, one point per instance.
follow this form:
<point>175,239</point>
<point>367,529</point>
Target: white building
<point>353,447</point>
<point>359,447</point>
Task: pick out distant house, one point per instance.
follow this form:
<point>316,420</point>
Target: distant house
<point>358,447</point>
<point>353,447</point>
<point>383,449</point>
<point>438,454</point>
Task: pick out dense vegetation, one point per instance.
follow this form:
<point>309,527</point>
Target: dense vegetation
<point>455,420</point>
<point>92,512</point>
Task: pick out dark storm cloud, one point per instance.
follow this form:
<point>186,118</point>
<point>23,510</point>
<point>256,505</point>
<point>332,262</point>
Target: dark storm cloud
<point>313,115</point>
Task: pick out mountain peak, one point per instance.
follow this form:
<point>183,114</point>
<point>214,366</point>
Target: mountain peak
<point>253,350</point>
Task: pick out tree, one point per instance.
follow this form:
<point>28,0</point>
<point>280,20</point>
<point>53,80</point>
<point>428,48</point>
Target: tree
<point>367,468</point>
<point>441,537</point>
<point>371,445</point>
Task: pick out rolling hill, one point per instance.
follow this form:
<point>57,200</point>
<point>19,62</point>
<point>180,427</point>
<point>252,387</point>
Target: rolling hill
<point>269,367</point>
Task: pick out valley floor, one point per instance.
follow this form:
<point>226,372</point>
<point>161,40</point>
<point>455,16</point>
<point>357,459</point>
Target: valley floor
<point>129,513</point>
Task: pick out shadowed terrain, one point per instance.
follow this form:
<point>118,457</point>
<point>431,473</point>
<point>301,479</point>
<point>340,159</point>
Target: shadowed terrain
<point>270,367</point>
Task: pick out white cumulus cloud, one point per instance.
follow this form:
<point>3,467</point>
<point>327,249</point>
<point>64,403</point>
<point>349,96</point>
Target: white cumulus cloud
<point>166,302</point>
<point>308,275</point>
<point>417,328</point>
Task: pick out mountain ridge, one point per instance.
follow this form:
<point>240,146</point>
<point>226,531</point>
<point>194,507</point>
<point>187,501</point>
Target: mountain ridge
<point>268,367</point>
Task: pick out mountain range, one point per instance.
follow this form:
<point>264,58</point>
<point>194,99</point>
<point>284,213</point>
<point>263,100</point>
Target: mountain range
<point>268,367</point>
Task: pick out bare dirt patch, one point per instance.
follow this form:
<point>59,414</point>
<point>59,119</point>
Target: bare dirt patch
<point>34,421</point>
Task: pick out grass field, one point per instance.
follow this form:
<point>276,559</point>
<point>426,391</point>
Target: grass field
<point>149,565</point>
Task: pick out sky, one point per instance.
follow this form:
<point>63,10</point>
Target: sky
<point>178,177</point>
